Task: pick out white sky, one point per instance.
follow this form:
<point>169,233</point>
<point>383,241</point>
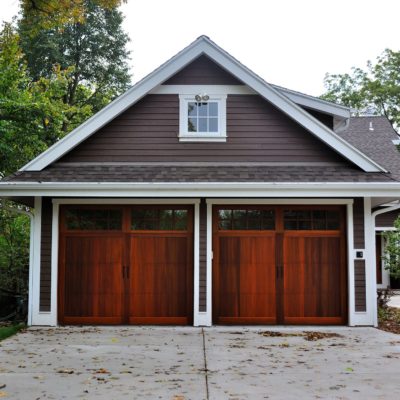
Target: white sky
<point>291,43</point>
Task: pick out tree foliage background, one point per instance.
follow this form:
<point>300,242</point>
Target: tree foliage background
<point>391,257</point>
<point>374,89</point>
<point>61,61</point>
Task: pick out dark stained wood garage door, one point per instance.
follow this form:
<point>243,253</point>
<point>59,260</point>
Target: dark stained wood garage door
<point>126,264</point>
<point>280,264</point>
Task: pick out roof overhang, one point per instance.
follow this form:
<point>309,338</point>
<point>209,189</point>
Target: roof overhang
<point>201,189</point>
<point>203,45</point>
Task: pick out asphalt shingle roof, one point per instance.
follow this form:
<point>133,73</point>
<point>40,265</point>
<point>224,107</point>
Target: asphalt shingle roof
<point>212,173</point>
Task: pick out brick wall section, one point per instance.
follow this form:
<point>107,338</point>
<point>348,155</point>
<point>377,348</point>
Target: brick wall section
<point>45,255</point>
<point>203,257</point>
<point>358,221</point>
<point>359,285</point>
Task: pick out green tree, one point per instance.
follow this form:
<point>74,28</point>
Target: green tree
<point>391,255</point>
<point>93,51</point>
<point>32,113</point>
<point>50,13</point>
<point>14,251</point>
<point>375,89</point>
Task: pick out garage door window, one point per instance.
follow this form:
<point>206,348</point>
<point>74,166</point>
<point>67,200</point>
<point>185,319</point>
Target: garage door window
<point>246,219</point>
<point>311,220</point>
<point>93,220</point>
<point>159,219</point>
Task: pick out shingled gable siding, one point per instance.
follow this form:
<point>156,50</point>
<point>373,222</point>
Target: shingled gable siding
<point>359,265</point>
<point>203,257</point>
<point>203,71</point>
<point>386,219</point>
<point>45,255</point>
<point>148,132</point>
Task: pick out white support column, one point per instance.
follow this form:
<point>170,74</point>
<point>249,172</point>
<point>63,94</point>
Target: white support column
<point>34,295</point>
<point>196,314</point>
<point>53,319</point>
<point>204,317</point>
<point>350,264</point>
<point>371,317</point>
<point>31,260</point>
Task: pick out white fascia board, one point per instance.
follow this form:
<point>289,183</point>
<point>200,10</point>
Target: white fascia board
<point>315,103</point>
<point>201,189</point>
<point>203,45</point>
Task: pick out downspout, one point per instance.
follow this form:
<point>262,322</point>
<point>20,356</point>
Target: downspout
<point>373,215</point>
<point>31,247</point>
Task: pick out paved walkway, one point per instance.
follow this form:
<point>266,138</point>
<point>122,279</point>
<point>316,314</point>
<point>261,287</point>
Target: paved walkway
<point>194,363</point>
<point>394,301</point>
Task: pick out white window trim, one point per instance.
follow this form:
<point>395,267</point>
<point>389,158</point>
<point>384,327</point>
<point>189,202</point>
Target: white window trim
<point>185,136</point>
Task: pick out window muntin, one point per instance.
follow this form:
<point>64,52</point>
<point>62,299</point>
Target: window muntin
<point>203,117</point>
<point>159,219</point>
<point>93,220</point>
<point>202,120</point>
<point>246,219</point>
<point>300,220</point>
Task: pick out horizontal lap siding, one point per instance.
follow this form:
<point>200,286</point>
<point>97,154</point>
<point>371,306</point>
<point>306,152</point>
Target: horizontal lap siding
<point>45,255</point>
<point>203,257</point>
<point>386,219</point>
<point>359,283</point>
<point>359,265</point>
<point>358,221</point>
<point>148,132</point>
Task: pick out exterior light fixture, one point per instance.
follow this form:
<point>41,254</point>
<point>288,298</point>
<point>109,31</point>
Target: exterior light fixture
<point>202,97</point>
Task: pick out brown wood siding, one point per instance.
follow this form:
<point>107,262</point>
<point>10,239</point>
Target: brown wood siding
<point>45,255</point>
<point>203,71</point>
<point>326,119</point>
<point>358,221</point>
<point>386,219</point>
<point>148,132</point>
<point>203,257</point>
<point>359,285</point>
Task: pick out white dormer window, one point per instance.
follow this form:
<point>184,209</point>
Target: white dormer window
<point>202,118</point>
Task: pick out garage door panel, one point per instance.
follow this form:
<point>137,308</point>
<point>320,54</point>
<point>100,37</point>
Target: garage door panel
<point>93,285</point>
<point>312,277</point>
<point>158,287</point>
<point>246,278</point>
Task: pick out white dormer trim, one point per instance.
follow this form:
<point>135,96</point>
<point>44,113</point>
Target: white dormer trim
<point>203,45</point>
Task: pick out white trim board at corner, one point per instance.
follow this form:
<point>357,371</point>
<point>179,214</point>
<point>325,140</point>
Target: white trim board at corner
<point>203,45</point>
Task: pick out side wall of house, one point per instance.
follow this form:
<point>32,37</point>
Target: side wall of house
<point>387,219</point>
<point>359,263</point>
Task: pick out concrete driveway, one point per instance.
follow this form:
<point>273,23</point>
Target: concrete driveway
<point>195,363</point>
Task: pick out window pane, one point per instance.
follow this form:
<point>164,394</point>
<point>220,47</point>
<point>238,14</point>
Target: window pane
<point>202,125</point>
<point>239,224</point>
<point>213,125</point>
<point>180,217</point>
<point>192,125</point>
<point>332,224</point>
<point>93,219</point>
<point>254,223</point>
<point>225,224</point>
<point>203,109</point>
<point>213,109</point>
<point>290,225</point>
<point>319,224</point>
<point>225,214</point>
<point>166,220</point>
<point>192,109</point>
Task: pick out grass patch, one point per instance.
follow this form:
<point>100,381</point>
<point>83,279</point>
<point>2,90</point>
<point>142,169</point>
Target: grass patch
<point>389,319</point>
<point>9,330</point>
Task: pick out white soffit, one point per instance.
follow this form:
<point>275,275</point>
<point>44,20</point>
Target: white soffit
<point>203,45</point>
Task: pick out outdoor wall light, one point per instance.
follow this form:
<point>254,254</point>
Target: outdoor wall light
<point>202,97</point>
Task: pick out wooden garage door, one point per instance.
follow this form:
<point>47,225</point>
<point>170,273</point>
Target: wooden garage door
<point>279,264</point>
<point>126,264</point>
